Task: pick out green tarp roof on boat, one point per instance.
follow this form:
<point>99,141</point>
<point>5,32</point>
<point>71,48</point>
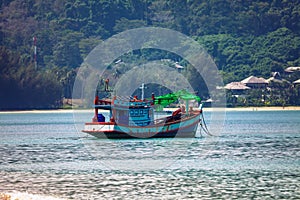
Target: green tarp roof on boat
<point>185,95</point>
<point>167,99</point>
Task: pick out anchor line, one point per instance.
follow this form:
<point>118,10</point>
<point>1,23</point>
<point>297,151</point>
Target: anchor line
<point>204,126</point>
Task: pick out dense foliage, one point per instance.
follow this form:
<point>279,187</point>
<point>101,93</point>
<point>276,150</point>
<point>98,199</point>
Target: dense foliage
<point>245,37</point>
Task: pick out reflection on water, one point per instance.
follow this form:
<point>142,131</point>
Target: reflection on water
<point>256,156</point>
<point>172,184</point>
<point>25,196</point>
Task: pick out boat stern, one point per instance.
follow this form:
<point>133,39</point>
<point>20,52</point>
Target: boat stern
<point>98,127</point>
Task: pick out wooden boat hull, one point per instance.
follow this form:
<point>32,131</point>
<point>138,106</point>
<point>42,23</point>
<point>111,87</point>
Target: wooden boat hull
<point>184,128</point>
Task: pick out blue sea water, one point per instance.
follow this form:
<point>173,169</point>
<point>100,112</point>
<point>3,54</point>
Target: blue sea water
<point>256,156</point>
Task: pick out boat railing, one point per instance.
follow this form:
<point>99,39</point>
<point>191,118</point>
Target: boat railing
<point>159,121</point>
<point>174,118</point>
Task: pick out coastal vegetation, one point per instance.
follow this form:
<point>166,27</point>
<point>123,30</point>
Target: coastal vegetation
<point>244,38</point>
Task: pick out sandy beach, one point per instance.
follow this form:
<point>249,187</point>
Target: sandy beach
<point>264,108</point>
<point>274,108</point>
<point>287,108</point>
<point>47,111</point>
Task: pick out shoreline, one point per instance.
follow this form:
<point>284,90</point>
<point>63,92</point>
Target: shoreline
<point>45,111</point>
<point>273,108</point>
<point>251,108</point>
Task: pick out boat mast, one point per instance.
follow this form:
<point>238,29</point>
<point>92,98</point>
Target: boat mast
<point>143,84</point>
<point>143,91</point>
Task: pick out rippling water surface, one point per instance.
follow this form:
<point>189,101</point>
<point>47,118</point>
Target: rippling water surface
<point>257,156</point>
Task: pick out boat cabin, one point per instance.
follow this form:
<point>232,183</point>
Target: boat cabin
<point>132,113</point>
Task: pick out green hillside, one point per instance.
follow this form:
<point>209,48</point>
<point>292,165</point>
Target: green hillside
<point>244,37</point>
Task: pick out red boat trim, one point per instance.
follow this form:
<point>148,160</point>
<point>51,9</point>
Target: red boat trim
<point>150,126</point>
<point>100,123</point>
<point>115,131</point>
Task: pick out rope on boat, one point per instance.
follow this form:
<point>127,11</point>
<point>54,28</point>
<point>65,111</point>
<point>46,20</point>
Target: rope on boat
<point>204,127</point>
<point>203,123</point>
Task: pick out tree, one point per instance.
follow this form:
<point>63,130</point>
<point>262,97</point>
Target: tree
<point>67,51</point>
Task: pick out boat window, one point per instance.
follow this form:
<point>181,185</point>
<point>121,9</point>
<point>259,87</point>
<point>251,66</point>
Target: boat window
<point>141,111</point>
<point>131,112</point>
<point>137,112</point>
<point>145,111</point>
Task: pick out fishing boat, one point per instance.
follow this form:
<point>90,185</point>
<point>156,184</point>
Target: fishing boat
<point>134,118</point>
